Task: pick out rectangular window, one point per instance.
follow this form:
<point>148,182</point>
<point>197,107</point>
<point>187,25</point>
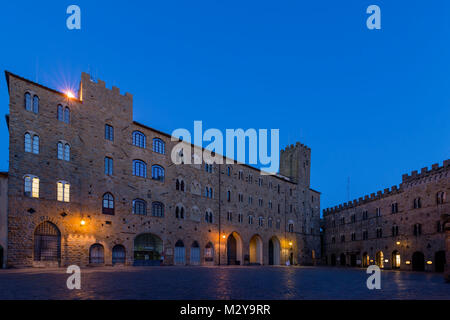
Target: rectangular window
<point>108,166</point>
<point>109,132</point>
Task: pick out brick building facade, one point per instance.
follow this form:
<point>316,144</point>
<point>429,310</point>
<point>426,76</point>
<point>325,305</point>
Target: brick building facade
<point>400,228</point>
<point>89,186</point>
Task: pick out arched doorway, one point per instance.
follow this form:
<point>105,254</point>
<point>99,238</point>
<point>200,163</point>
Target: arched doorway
<point>379,259</point>
<point>47,244</point>
<point>342,259</point>
<point>274,251</point>
<point>418,261</point>
<point>333,259</point>
<point>396,260</point>
<point>180,253</point>
<point>365,260</point>
<point>209,253</point>
<point>195,254</point>
<point>1,257</point>
<point>353,260</point>
<point>234,249</point>
<point>96,254</point>
<point>118,254</point>
<point>256,250</point>
<point>147,250</point>
<point>439,261</point>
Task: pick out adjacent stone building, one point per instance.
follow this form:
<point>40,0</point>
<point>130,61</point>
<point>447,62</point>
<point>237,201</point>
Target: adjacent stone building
<point>3,217</point>
<point>89,186</point>
<point>400,228</point>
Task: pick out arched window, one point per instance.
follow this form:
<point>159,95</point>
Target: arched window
<point>139,168</point>
<point>139,139</point>
<point>35,104</point>
<point>157,209</point>
<point>60,115</point>
<point>208,216</point>
<point>139,207</point>
<point>417,203</point>
<point>157,173</point>
<point>31,188</point>
<point>36,144</point>
<point>291,227</point>
<point>63,191</point>
<point>228,171</point>
<point>261,221</point>
<point>108,204</point>
<point>182,185</point>
<point>27,142</point>
<point>179,185</point>
<point>28,101</point>
<point>159,146</point>
<point>228,195</point>
<point>96,254</point>
<point>67,152</point>
<point>179,212</point>
<point>269,222</point>
<point>67,115</point>
<point>63,151</point>
<point>440,197</point>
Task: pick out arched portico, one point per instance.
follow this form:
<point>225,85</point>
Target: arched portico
<point>256,250</point>
<point>148,249</point>
<point>234,249</point>
<point>274,251</point>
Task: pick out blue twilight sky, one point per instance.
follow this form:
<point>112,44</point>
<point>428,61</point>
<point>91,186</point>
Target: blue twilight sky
<point>371,104</point>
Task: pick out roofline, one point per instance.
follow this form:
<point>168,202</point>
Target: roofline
<point>9,74</point>
<point>315,190</point>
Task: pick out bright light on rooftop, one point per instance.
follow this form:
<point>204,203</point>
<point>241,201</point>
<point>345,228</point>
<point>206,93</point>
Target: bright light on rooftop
<point>70,94</point>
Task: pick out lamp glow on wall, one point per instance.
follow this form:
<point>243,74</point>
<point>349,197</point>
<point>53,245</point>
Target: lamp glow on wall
<point>407,262</point>
<point>82,222</point>
<point>398,243</point>
<point>429,262</point>
<point>290,243</point>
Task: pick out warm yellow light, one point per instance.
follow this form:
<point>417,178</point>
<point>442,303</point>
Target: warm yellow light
<point>386,260</point>
<point>429,262</point>
<point>371,260</point>
<point>398,243</point>
<point>407,262</point>
<point>70,94</point>
<point>223,237</point>
<point>290,243</point>
<point>82,222</point>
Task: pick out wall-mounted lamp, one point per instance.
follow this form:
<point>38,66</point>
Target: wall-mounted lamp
<point>407,262</point>
<point>224,236</point>
<point>398,243</point>
<point>429,262</point>
<point>82,222</point>
<point>386,260</point>
<point>290,243</point>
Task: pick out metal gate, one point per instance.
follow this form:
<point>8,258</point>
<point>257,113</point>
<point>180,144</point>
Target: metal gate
<point>47,242</point>
<point>96,254</point>
<point>180,253</point>
<point>118,254</point>
<point>195,254</point>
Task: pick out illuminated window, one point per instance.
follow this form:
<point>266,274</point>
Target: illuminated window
<point>139,139</point>
<point>139,207</point>
<point>31,188</point>
<point>108,204</point>
<point>159,146</point>
<point>63,191</point>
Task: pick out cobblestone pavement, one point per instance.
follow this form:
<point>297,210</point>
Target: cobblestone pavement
<point>220,283</point>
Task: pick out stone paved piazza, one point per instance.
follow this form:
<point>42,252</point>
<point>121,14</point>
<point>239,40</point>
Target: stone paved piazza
<point>220,283</point>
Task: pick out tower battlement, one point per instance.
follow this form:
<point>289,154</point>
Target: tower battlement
<point>425,171</point>
<point>87,83</point>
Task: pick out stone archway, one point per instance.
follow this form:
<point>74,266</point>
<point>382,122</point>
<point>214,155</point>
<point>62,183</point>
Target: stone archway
<point>418,261</point>
<point>274,251</point>
<point>396,260</point>
<point>234,249</point>
<point>256,250</point>
<point>148,249</point>
<point>439,261</point>
<point>342,259</point>
<point>118,254</point>
<point>379,259</point>
<point>47,245</point>
<point>333,259</point>
<point>365,260</point>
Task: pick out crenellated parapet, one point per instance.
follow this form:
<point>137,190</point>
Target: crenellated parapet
<point>425,172</point>
<point>100,85</point>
